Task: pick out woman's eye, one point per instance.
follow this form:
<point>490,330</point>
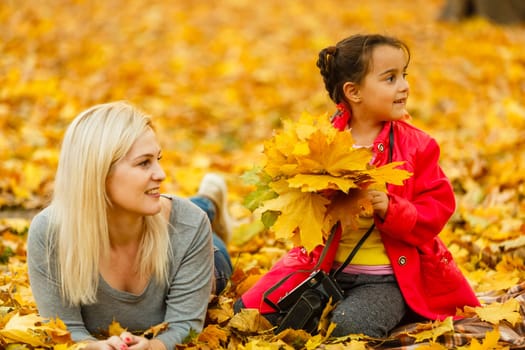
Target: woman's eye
<point>144,163</point>
<point>390,78</point>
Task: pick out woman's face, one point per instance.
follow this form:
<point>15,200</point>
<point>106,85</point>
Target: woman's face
<point>133,184</point>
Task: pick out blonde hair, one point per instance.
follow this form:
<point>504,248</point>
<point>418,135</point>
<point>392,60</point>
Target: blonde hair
<point>95,140</point>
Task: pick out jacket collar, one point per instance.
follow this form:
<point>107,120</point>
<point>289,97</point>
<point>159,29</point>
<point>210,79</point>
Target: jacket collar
<point>382,145</point>
<point>340,120</point>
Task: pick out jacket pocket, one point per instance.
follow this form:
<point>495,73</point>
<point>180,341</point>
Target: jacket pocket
<point>439,272</point>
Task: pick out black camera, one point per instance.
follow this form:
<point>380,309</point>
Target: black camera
<point>302,307</point>
<point>318,280</point>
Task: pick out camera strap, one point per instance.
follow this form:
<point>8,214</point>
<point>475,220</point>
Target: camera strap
<point>367,233</point>
<point>331,244</point>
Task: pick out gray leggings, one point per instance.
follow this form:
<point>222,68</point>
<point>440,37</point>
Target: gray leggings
<point>373,305</point>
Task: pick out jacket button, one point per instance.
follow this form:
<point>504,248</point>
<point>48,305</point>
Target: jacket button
<point>402,260</point>
<point>380,147</point>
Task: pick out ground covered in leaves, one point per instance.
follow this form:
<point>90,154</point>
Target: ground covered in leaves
<point>219,77</point>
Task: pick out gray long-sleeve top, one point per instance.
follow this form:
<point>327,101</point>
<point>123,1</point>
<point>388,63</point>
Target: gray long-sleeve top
<point>182,303</point>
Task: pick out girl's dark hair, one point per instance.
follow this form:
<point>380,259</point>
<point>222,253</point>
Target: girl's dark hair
<point>349,61</point>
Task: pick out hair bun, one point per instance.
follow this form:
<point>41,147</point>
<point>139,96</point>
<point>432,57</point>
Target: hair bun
<point>331,50</point>
<point>325,59</point>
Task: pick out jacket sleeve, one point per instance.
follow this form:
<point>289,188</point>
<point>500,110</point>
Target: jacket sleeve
<point>420,208</point>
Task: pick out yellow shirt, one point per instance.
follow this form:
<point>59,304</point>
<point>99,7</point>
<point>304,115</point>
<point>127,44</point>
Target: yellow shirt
<point>372,252</point>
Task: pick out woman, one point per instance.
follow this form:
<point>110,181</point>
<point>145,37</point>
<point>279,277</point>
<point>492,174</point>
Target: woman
<point>110,246</point>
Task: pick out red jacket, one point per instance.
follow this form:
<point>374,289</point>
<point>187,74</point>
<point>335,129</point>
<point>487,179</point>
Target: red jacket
<point>428,277</point>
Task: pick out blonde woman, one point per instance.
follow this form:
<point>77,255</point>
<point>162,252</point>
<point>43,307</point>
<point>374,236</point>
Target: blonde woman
<point>110,246</point>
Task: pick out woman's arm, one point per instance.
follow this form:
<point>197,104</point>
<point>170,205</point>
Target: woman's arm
<point>44,281</point>
<point>191,282</point>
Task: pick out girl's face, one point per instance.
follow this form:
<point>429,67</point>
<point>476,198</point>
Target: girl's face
<point>384,90</point>
<point>133,184</point>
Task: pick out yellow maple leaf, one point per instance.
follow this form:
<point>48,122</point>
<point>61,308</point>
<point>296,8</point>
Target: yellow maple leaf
<point>280,163</point>
<point>346,209</point>
<point>335,157</point>
<point>32,329</point>
<point>388,174</point>
<point>496,312</point>
<point>350,344</point>
<point>221,313</point>
<point>115,329</point>
<point>213,335</point>
<point>299,211</point>
<point>293,336</point>
<point>155,330</point>
<point>489,343</point>
<point>247,283</point>
<point>308,124</point>
<point>57,330</point>
<point>325,326</point>
<point>306,158</point>
<point>432,346</point>
<point>437,329</point>
<point>249,321</point>
<point>315,183</point>
<point>259,344</point>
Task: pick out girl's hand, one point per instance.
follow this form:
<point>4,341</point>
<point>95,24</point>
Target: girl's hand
<point>379,202</point>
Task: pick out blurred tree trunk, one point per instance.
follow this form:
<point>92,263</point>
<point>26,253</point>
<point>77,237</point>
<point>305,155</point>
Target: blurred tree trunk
<point>501,11</point>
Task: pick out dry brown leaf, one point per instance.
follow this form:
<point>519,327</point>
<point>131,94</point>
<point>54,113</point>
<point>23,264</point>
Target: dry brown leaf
<point>249,321</point>
<point>213,336</point>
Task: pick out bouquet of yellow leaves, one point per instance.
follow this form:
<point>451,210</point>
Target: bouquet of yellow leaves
<point>304,161</point>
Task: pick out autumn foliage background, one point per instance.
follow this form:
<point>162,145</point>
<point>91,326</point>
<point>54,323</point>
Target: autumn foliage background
<point>220,76</point>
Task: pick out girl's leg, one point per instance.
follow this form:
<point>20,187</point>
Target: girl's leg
<point>373,305</point>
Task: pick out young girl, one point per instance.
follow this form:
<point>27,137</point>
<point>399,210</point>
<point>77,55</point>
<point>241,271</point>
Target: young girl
<point>403,271</point>
<point>403,267</point>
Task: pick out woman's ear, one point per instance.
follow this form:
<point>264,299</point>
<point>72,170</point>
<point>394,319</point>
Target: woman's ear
<point>351,91</point>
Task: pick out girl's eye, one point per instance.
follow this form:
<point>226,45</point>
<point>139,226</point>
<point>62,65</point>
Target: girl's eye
<point>390,78</point>
<point>144,163</point>
<point>405,75</point>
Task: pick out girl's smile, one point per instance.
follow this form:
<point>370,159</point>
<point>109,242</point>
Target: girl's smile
<point>384,90</point>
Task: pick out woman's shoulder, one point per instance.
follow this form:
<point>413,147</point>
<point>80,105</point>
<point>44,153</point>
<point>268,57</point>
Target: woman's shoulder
<point>39,229</point>
<point>40,221</point>
<point>182,211</point>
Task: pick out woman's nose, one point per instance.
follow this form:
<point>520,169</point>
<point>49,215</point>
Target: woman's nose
<point>158,173</point>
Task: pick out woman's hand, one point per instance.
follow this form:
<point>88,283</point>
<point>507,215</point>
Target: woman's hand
<point>126,341</point>
<point>379,202</point>
<point>135,342</point>
<point>112,343</point>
